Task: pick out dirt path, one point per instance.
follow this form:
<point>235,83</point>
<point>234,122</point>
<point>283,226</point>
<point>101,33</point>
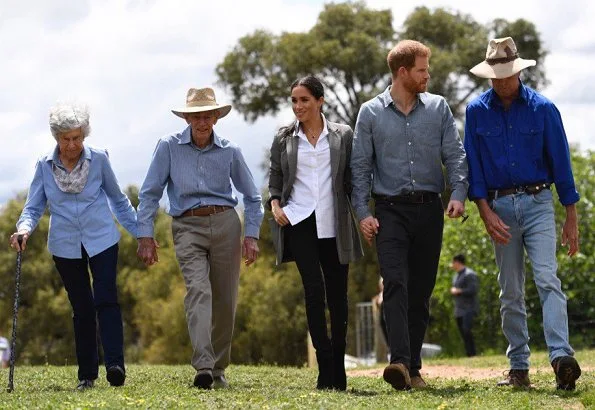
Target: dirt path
<point>454,372</point>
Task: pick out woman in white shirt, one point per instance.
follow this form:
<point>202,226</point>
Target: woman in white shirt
<point>309,186</point>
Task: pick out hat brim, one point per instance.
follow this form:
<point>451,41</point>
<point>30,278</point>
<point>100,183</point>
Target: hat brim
<point>223,110</point>
<point>485,70</point>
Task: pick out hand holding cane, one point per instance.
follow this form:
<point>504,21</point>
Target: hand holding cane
<point>14,315</point>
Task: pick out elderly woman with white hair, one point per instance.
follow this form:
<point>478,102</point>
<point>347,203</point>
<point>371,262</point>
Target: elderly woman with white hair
<point>78,184</point>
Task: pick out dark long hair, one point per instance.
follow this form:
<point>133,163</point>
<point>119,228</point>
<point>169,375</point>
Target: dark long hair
<point>313,84</point>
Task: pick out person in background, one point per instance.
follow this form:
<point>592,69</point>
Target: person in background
<point>465,288</point>
<point>76,182</point>
<point>517,147</point>
<point>309,187</point>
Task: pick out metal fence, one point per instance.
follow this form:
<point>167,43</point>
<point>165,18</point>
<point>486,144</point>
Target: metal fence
<point>364,331</point>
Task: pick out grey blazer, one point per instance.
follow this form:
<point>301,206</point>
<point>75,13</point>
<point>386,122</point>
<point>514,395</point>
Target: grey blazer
<point>284,152</point>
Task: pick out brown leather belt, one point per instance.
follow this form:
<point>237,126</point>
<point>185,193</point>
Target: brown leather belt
<point>419,197</point>
<point>205,210</point>
<point>528,189</point>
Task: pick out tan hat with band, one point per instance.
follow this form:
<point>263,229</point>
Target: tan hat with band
<point>502,60</point>
<point>201,100</point>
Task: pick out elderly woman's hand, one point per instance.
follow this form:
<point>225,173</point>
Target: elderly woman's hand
<point>147,250</point>
<point>14,240</point>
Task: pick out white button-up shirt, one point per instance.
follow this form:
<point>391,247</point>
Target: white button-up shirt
<point>312,190</point>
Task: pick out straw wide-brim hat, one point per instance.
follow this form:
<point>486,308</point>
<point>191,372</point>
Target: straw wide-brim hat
<point>200,100</point>
<point>502,60</point>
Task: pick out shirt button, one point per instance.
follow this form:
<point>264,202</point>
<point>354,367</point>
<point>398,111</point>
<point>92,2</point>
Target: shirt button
<point>513,164</point>
<point>409,142</point>
<point>413,181</point>
<point>407,124</point>
<point>412,162</point>
<point>511,145</point>
<point>510,126</point>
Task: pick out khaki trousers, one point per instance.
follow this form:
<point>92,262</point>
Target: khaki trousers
<point>208,249</point>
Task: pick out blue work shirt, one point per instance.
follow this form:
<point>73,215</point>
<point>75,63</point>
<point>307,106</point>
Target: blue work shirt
<point>400,153</point>
<point>84,218</point>
<point>198,177</point>
<point>523,145</point>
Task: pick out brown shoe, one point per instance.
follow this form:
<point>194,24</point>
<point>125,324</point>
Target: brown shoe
<point>516,378</point>
<point>418,383</point>
<point>567,371</point>
<point>397,375</point>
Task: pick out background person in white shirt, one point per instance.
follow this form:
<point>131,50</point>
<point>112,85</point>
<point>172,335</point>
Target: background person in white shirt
<point>309,184</point>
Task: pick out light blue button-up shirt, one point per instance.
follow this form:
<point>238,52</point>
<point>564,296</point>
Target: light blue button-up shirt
<point>84,218</point>
<point>395,154</point>
<point>198,177</point>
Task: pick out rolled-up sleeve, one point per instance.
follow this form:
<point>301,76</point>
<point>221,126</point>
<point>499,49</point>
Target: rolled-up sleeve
<point>152,189</point>
<point>35,203</point>
<point>558,155</point>
<point>453,155</point>
<point>362,157</point>
<point>244,182</point>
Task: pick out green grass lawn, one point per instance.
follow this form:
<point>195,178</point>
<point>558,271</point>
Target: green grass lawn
<point>270,387</point>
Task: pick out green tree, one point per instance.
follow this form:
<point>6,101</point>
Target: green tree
<point>347,49</point>
<point>458,43</point>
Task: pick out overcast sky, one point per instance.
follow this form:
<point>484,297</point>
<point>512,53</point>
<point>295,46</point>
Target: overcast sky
<point>132,61</point>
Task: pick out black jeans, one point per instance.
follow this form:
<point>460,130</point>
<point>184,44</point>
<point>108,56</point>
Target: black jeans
<point>330,283</point>
<point>88,305</point>
<point>408,244</point>
<point>465,324</point>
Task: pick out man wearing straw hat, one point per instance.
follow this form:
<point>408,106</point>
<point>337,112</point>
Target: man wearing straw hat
<point>516,148</point>
<point>197,166</point>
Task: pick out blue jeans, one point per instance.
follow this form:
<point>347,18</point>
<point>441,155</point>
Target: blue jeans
<point>533,229</point>
<point>90,305</point>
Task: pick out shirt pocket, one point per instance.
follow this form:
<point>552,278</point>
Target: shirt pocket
<point>491,140</point>
<point>531,137</point>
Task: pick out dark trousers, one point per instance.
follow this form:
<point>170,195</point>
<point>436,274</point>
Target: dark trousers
<point>90,305</point>
<point>408,245</point>
<point>465,324</point>
<point>324,278</point>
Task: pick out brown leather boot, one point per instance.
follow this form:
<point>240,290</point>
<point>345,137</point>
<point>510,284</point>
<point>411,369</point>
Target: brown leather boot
<point>567,371</point>
<point>516,378</point>
<point>397,375</point>
<point>418,383</point>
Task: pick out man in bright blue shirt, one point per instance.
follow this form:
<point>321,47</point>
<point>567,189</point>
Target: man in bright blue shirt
<point>198,167</point>
<point>516,148</point>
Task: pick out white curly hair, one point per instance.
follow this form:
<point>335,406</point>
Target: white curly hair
<point>68,116</point>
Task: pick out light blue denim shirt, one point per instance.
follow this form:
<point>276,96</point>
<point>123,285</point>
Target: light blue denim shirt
<point>84,218</point>
<point>395,154</point>
<point>198,177</point>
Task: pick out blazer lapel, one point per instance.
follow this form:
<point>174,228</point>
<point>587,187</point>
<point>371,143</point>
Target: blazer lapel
<point>335,148</point>
<point>292,152</point>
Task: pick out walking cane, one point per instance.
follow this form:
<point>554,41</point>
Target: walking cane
<point>14,315</point>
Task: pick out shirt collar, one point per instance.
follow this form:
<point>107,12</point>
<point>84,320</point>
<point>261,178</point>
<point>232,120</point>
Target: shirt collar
<point>298,132</point>
<point>54,156</point>
<point>185,138</point>
<point>494,99</point>
<point>387,99</point>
